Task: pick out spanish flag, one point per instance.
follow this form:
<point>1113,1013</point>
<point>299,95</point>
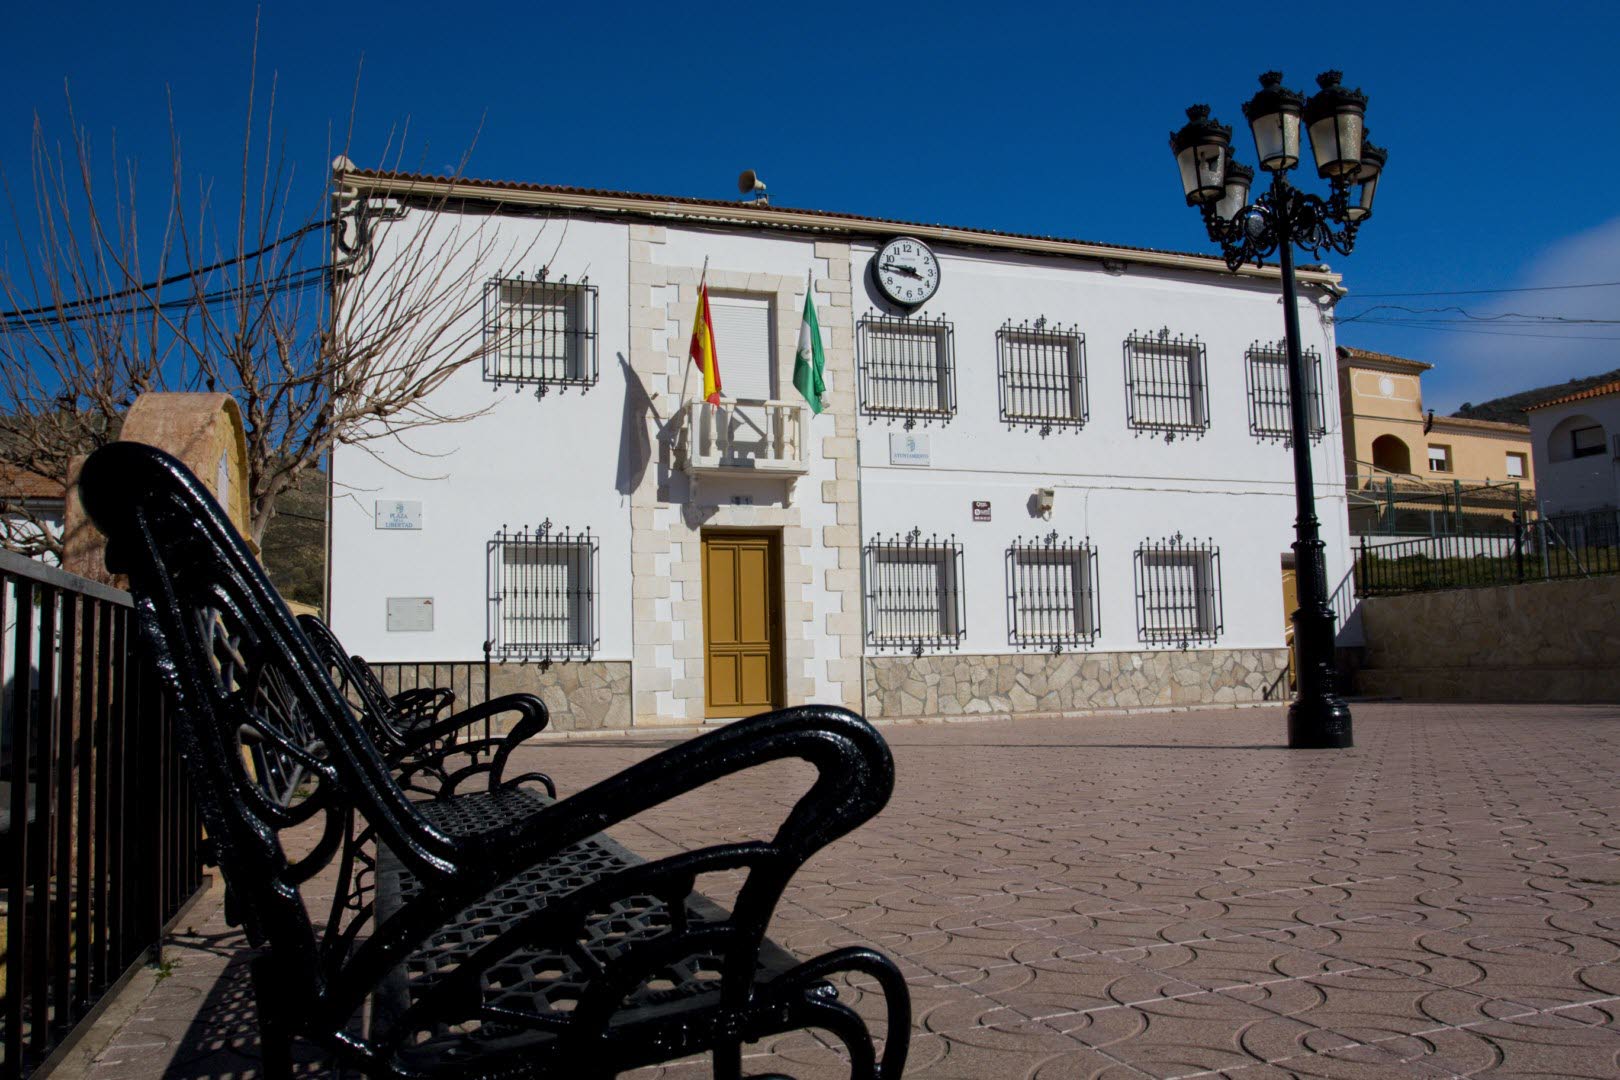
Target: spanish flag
<point>702,350</point>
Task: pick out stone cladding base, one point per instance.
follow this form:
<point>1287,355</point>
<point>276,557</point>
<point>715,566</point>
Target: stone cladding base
<point>960,685</point>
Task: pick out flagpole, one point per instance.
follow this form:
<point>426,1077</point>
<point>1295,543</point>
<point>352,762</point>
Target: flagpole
<point>686,368</point>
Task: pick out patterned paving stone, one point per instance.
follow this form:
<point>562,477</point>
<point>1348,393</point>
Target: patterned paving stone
<point>1152,896</point>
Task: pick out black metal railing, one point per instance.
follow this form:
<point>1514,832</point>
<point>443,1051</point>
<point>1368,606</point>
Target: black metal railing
<point>1546,549</point>
<point>1166,383</point>
<point>908,367</point>
<point>1267,371</point>
<point>1042,369</point>
<point>1052,599</point>
<point>542,593</point>
<point>100,840</point>
<point>1178,591</point>
<point>914,593</point>
<point>540,332</point>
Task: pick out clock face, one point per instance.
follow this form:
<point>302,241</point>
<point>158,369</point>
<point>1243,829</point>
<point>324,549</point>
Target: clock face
<point>906,271</point>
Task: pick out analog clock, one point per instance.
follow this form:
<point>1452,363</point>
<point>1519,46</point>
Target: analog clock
<point>906,272</point>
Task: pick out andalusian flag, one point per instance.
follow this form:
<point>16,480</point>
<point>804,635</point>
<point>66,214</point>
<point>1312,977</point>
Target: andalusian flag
<point>702,350</point>
<point>809,363</point>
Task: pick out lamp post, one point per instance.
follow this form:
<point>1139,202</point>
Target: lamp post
<point>1281,217</point>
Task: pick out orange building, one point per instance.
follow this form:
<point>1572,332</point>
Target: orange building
<point>1399,457</point>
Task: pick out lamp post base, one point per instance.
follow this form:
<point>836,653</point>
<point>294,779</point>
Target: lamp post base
<point>1319,723</point>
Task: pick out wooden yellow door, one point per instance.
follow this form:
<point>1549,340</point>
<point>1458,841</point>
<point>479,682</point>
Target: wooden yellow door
<point>741,661</point>
<point>1290,590</point>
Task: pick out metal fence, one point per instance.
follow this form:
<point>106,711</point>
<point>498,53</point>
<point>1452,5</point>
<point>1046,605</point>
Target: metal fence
<point>99,834</point>
<point>1546,549</point>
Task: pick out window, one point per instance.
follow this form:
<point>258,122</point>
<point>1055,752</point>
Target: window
<point>541,332</point>
<point>914,593</point>
<point>1043,375</point>
<point>907,367</point>
<point>1515,466</point>
<point>1586,441</point>
<point>1269,416</point>
<point>1052,593</point>
<point>744,340</point>
<point>1439,458</point>
<point>1165,387</point>
<point>1178,591</point>
<point>542,593</point>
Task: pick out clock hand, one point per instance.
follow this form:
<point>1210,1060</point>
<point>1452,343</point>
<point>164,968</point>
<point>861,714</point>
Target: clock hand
<point>908,271</point>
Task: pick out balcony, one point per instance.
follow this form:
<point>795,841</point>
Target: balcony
<point>744,438</point>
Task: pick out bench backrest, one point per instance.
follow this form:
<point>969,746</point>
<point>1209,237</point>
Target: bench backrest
<point>375,709</point>
<point>268,741</point>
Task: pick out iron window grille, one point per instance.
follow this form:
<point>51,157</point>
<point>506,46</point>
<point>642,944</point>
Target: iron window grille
<point>914,597</point>
<point>542,593</point>
<point>1042,372</point>
<point>1178,592</point>
<point>1166,384</point>
<point>1269,399</point>
<point>540,332</point>
<point>1052,600</point>
<point>908,367</point>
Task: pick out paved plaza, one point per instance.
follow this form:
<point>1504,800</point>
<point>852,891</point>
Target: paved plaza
<point>1147,896</point>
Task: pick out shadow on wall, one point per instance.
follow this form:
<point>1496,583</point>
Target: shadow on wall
<point>635,445</point>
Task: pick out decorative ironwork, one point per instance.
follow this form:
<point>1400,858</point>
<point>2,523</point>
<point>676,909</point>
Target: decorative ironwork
<point>1178,592</point>
<point>539,332</point>
<point>914,594</point>
<point>1267,371</point>
<point>1166,384</point>
<point>1284,215</point>
<point>1052,597</point>
<point>542,593</point>
<point>1042,375</point>
<point>908,367</point>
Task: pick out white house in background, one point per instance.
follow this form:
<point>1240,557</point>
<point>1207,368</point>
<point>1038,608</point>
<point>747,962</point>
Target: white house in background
<point>1576,442</point>
<point>1056,478</point>
<point>30,506</point>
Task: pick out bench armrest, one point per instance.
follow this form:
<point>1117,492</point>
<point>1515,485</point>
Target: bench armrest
<point>533,718</point>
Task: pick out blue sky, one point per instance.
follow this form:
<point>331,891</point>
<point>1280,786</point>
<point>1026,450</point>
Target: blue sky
<point>1042,118</point>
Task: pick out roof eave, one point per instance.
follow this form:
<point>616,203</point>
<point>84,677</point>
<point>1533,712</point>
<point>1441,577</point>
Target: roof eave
<point>753,214</point>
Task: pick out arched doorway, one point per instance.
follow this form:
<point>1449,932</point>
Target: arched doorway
<point>1391,454</point>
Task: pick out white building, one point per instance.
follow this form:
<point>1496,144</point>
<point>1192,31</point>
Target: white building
<point>1576,443</point>
<point>1059,483</point>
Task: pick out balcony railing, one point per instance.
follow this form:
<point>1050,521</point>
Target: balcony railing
<point>736,438</point>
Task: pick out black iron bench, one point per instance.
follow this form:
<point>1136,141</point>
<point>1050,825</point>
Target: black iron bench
<point>428,747</point>
<point>503,940</point>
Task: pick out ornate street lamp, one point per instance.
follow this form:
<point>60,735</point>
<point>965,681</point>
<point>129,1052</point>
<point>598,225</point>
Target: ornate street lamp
<point>1281,217</point>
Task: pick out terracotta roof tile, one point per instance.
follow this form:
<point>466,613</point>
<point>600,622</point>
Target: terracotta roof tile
<point>1482,425</point>
<point>18,483</point>
<point>1346,352</point>
<point>687,200</point>
<point>1601,390</point>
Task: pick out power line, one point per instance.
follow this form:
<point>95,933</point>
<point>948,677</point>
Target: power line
<point>173,279</point>
<point>1487,292</point>
<point>1413,324</point>
<point>1532,319</point>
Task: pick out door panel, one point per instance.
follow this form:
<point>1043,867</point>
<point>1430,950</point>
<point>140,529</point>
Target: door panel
<point>742,657</point>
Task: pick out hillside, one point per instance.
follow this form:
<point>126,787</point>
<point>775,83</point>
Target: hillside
<point>295,543</point>
<point>1510,409</point>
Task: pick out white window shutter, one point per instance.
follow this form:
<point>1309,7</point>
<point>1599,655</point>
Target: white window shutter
<point>743,341</point>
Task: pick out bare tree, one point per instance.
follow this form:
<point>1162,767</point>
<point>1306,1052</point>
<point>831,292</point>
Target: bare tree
<point>271,305</point>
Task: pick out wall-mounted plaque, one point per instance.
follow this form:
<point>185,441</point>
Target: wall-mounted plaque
<point>908,448</point>
<point>399,515</point>
<point>981,509</point>
<point>410,613</point>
